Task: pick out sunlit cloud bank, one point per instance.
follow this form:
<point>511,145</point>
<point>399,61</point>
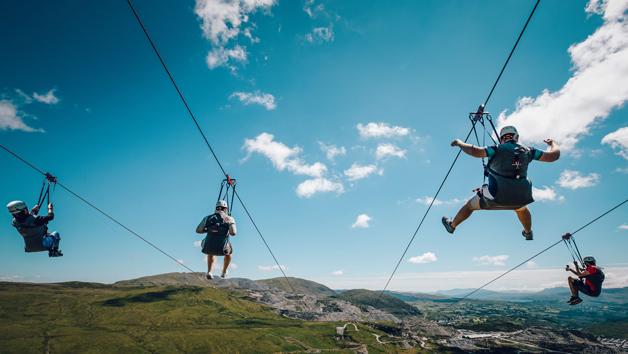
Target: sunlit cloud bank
<point>11,114</point>
<point>527,279</point>
<point>599,84</point>
<point>381,130</point>
<point>545,194</point>
<point>573,180</point>
<point>424,258</point>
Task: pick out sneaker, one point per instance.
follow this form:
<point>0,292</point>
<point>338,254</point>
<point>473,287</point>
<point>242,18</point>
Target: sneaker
<point>572,299</point>
<point>224,274</point>
<point>576,301</point>
<point>209,276</point>
<point>55,253</point>
<point>528,236</point>
<point>51,253</point>
<point>447,224</point>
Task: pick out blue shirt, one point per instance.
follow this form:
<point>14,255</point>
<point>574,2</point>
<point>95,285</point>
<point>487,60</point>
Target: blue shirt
<point>490,152</point>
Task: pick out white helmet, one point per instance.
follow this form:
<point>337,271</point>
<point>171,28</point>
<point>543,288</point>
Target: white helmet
<point>222,203</point>
<point>509,129</point>
<point>589,259</point>
<point>16,206</point>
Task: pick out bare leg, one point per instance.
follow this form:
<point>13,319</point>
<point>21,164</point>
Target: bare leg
<point>210,263</point>
<point>574,292</point>
<point>526,218</point>
<point>463,214</point>
<point>227,261</point>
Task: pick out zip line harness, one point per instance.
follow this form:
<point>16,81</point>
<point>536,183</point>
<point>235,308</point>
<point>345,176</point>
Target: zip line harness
<point>229,183</point>
<point>480,116</point>
<point>45,189</point>
<point>570,242</point>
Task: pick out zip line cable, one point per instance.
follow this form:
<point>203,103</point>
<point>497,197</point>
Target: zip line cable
<point>527,260</point>
<point>102,212</point>
<point>204,137</point>
<point>512,51</point>
<point>424,216</point>
<point>456,159</point>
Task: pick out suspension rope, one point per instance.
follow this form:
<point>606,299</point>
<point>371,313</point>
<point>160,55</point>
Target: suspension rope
<point>478,117</point>
<point>512,51</point>
<point>529,259</point>
<point>102,212</point>
<point>424,216</point>
<point>201,131</point>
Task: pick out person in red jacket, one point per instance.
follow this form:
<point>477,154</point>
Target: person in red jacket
<point>592,284</point>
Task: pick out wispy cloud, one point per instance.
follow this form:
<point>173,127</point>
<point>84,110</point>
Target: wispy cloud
<point>180,261</point>
<point>223,21</point>
<point>623,227</point>
<point>197,243</point>
<point>332,150</point>
<point>494,260</point>
<point>618,138</point>
<point>312,186</point>
<point>357,172</point>
<point>362,221</point>
<point>47,98</point>
<point>381,130</point>
<point>269,268</point>
<point>532,264</point>
<point>384,150</point>
<point>424,258</point>
<point>321,34</point>
<point>338,272</point>
<point>542,195</point>
<point>265,99</point>
<point>282,156</point>
<point>12,118</point>
<point>598,85</point>
<point>428,201</point>
<point>573,180</point>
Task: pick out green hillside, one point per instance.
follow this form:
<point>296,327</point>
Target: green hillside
<point>301,286</point>
<point>168,279</point>
<point>386,303</point>
<point>96,318</point>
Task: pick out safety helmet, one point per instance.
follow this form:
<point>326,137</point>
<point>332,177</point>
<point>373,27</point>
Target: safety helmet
<point>222,203</point>
<point>16,206</point>
<point>589,259</point>
<point>509,129</point>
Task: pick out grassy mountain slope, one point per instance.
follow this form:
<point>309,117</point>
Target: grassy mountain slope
<point>96,318</point>
<point>301,286</point>
<point>167,279</point>
<point>386,303</point>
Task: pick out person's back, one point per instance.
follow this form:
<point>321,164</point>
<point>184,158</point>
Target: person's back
<point>217,227</point>
<point>595,279</point>
<point>34,229</point>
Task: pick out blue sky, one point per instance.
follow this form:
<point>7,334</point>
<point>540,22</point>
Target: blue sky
<point>335,118</point>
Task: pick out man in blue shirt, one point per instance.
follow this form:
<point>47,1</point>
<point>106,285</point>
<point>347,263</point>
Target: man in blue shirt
<point>509,187</point>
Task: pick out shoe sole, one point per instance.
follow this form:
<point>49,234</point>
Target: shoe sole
<point>447,226</point>
<point>575,302</point>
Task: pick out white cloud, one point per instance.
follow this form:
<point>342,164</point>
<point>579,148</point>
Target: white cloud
<point>624,227</point>
<point>338,272</point>
<point>269,268</point>
<point>384,150</point>
<point>424,258</point>
<point>428,201</point>
<point>321,34</point>
<point>542,195</point>
<point>12,118</point>
<point>362,221</point>
<point>378,130</point>
<point>312,186</point>
<point>16,278</point>
<point>197,243</point>
<point>223,21</point>
<point>532,264</point>
<point>573,180</point>
<point>357,172</point>
<point>265,99</point>
<point>621,170</point>
<point>598,85</point>
<point>618,138</point>
<point>180,261</point>
<point>495,260</point>
<point>282,156</point>
<point>47,98</point>
<point>332,150</point>
<point>220,56</point>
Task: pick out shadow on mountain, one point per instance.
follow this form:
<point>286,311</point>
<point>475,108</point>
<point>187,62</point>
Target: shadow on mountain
<point>149,297</point>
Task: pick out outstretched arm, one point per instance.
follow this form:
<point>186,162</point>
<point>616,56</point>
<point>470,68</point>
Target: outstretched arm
<point>469,149</point>
<point>553,154</point>
<point>200,229</point>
